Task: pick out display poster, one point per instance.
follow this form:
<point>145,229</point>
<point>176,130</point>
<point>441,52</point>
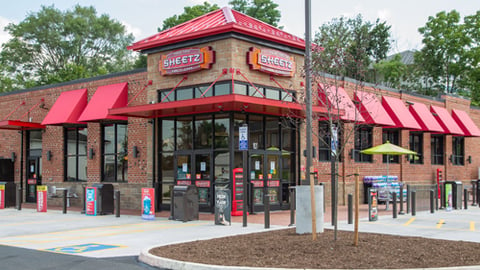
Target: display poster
<point>448,197</point>
<point>372,204</point>
<point>91,201</point>
<point>273,195</point>
<point>258,196</point>
<point>237,202</point>
<point>185,167</point>
<point>203,195</point>
<point>2,196</point>
<point>203,166</point>
<point>148,203</point>
<point>222,207</point>
<point>41,198</point>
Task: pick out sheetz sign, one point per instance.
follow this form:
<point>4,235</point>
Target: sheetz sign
<point>271,61</point>
<point>187,60</point>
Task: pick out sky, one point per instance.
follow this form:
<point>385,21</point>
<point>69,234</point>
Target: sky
<point>142,17</point>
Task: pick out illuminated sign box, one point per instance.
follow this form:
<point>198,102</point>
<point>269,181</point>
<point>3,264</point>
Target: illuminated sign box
<point>271,61</point>
<point>187,61</point>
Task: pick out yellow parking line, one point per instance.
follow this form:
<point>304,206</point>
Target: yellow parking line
<point>409,221</point>
<point>472,226</point>
<point>440,223</point>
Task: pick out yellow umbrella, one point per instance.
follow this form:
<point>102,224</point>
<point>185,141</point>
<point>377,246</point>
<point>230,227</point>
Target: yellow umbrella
<point>388,149</point>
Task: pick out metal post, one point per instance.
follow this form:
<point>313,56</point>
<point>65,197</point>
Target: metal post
<point>409,193</point>
<point>414,203</point>
<point>401,200</point>
<point>474,192</point>
<point>266,203</point>
<point>65,195</point>
<point>394,204</point>
<point>117,203</point>
<point>432,202</point>
<point>19,198</point>
<point>292,206</point>
<point>172,201</point>
<point>245,194</point>
<point>465,200</point>
<point>436,198</point>
<point>350,208</point>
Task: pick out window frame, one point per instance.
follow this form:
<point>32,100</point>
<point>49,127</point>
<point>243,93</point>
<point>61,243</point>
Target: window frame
<point>116,154</point>
<point>417,147</point>
<point>365,132</point>
<point>458,150</point>
<point>77,154</point>
<point>436,142</point>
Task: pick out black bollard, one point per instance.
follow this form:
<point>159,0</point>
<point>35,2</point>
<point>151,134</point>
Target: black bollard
<point>432,202</point>
<point>292,206</point>
<point>65,194</point>
<point>117,203</point>
<point>350,208</point>
<point>266,201</point>
<point>474,192</point>
<point>414,203</point>
<point>394,206</point>
<point>409,194</point>
<point>401,200</point>
<point>19,199</point>
<point>465,200</point>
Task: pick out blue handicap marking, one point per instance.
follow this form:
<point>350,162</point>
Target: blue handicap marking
<point>82,248</point>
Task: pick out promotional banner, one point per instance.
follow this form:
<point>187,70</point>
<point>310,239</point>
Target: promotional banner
<point>2,196</point>
<point>148,203</point>
<point>91,201</point>
<point>41,198</point>
<point>223,215</point>
<point>448,197</point>
<point>372,204</point>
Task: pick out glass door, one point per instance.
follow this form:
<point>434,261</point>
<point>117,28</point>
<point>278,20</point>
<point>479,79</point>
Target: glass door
<point>257,178</point>
<point>203,180</point>
<point>183,169</point>
<point>273,178</point>
<point>33,178</point>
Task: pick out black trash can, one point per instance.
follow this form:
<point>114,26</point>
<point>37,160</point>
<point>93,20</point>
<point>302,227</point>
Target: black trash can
<point>185,203</point>
<point>10,193</point>
<point>105,203</point>
<point>457,193</point>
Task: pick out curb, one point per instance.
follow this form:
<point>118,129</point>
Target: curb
<point>161,262</point>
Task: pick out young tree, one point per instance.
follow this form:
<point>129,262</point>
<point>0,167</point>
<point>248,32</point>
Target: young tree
<point>52,46</point>
<point>188,14</point>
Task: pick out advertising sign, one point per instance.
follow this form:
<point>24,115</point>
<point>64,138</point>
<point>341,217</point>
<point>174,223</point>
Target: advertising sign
<point>148,203</point>
<point>271,61</point>
<point>91,201</point>
<point>187,61</point>
<point>222,207</point>
<point>372,204</point>
<point>237,202</point>
<point>2,196</point>
<point>243,138</point>
<point>448,197</point>
<point>41,198</point>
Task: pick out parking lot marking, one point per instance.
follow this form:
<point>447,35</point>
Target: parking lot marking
<point>440,223</point>
<point>409,221</point>
<point>472,226</point>
<point>82,248</point>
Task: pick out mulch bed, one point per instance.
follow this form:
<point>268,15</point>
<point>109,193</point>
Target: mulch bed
<point>286,249</point>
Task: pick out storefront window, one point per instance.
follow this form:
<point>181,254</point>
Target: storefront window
<point>76,154</point>
<point>203,132</point>
<point>272,94</point>
<point>416,144</point>
<point>184,133</point>
<point>115,150</point>
<point>222,131</point>
<point>240,89</point>
<point>363,140</point>
<point>272,133</point>
<point>324,143</point>
<point>167,139</point>
<point>255,128</point>
<point>393,137</point>
<point>458,150</point>
<point>222,89</point>
<point>202,90</point>
<point>437,149</point>
<point>184,94</point>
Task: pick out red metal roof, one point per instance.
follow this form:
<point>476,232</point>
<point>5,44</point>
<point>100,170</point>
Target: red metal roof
<point>446,120</point>
<point>67,108</point>
<point>399,113</point>
<point>218,22</point>
<point>105,98</point>
<point>337,97</point>
<point>425,118</point>
<point>232,102</point>
<point>466,123</point>
<point>372,110</point>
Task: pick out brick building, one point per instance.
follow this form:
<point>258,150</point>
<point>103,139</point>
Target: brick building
<point>177,122</point>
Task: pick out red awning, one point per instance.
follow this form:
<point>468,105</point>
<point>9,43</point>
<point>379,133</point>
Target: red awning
<point>67,108</point>
<point>337,97</point>
<point>372,110</point>
<point>425,118</point>
<point>19,125</point>
<point>399,113</point>
<point>466,123</point>
<point>446,121</point>
<point>232,102</point>
<point>106,97</point>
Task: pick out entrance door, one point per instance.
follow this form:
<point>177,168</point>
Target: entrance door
<point>33,178</point>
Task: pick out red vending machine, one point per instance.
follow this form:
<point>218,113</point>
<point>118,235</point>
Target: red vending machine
<point>238,192</point>
<point>439,182</point>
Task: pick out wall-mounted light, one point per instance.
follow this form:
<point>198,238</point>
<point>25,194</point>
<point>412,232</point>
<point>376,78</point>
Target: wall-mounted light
<point>352,153</point>
<point>49,155</point>
<point>13,157</point>
<point>451,158</point>
<point>469,159</point>
<point>91,153</point>
<point>135,152</point>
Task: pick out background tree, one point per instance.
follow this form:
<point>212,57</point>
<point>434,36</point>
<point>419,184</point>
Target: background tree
<point>471,78</point>
<point>350,45</point>
<point>52,46</point>
<point>263,10</point>
<point>188,14</point>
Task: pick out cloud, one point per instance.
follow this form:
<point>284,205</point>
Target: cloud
<point>136,31</point>
<point>4,36</point>
<point>384,14</point>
